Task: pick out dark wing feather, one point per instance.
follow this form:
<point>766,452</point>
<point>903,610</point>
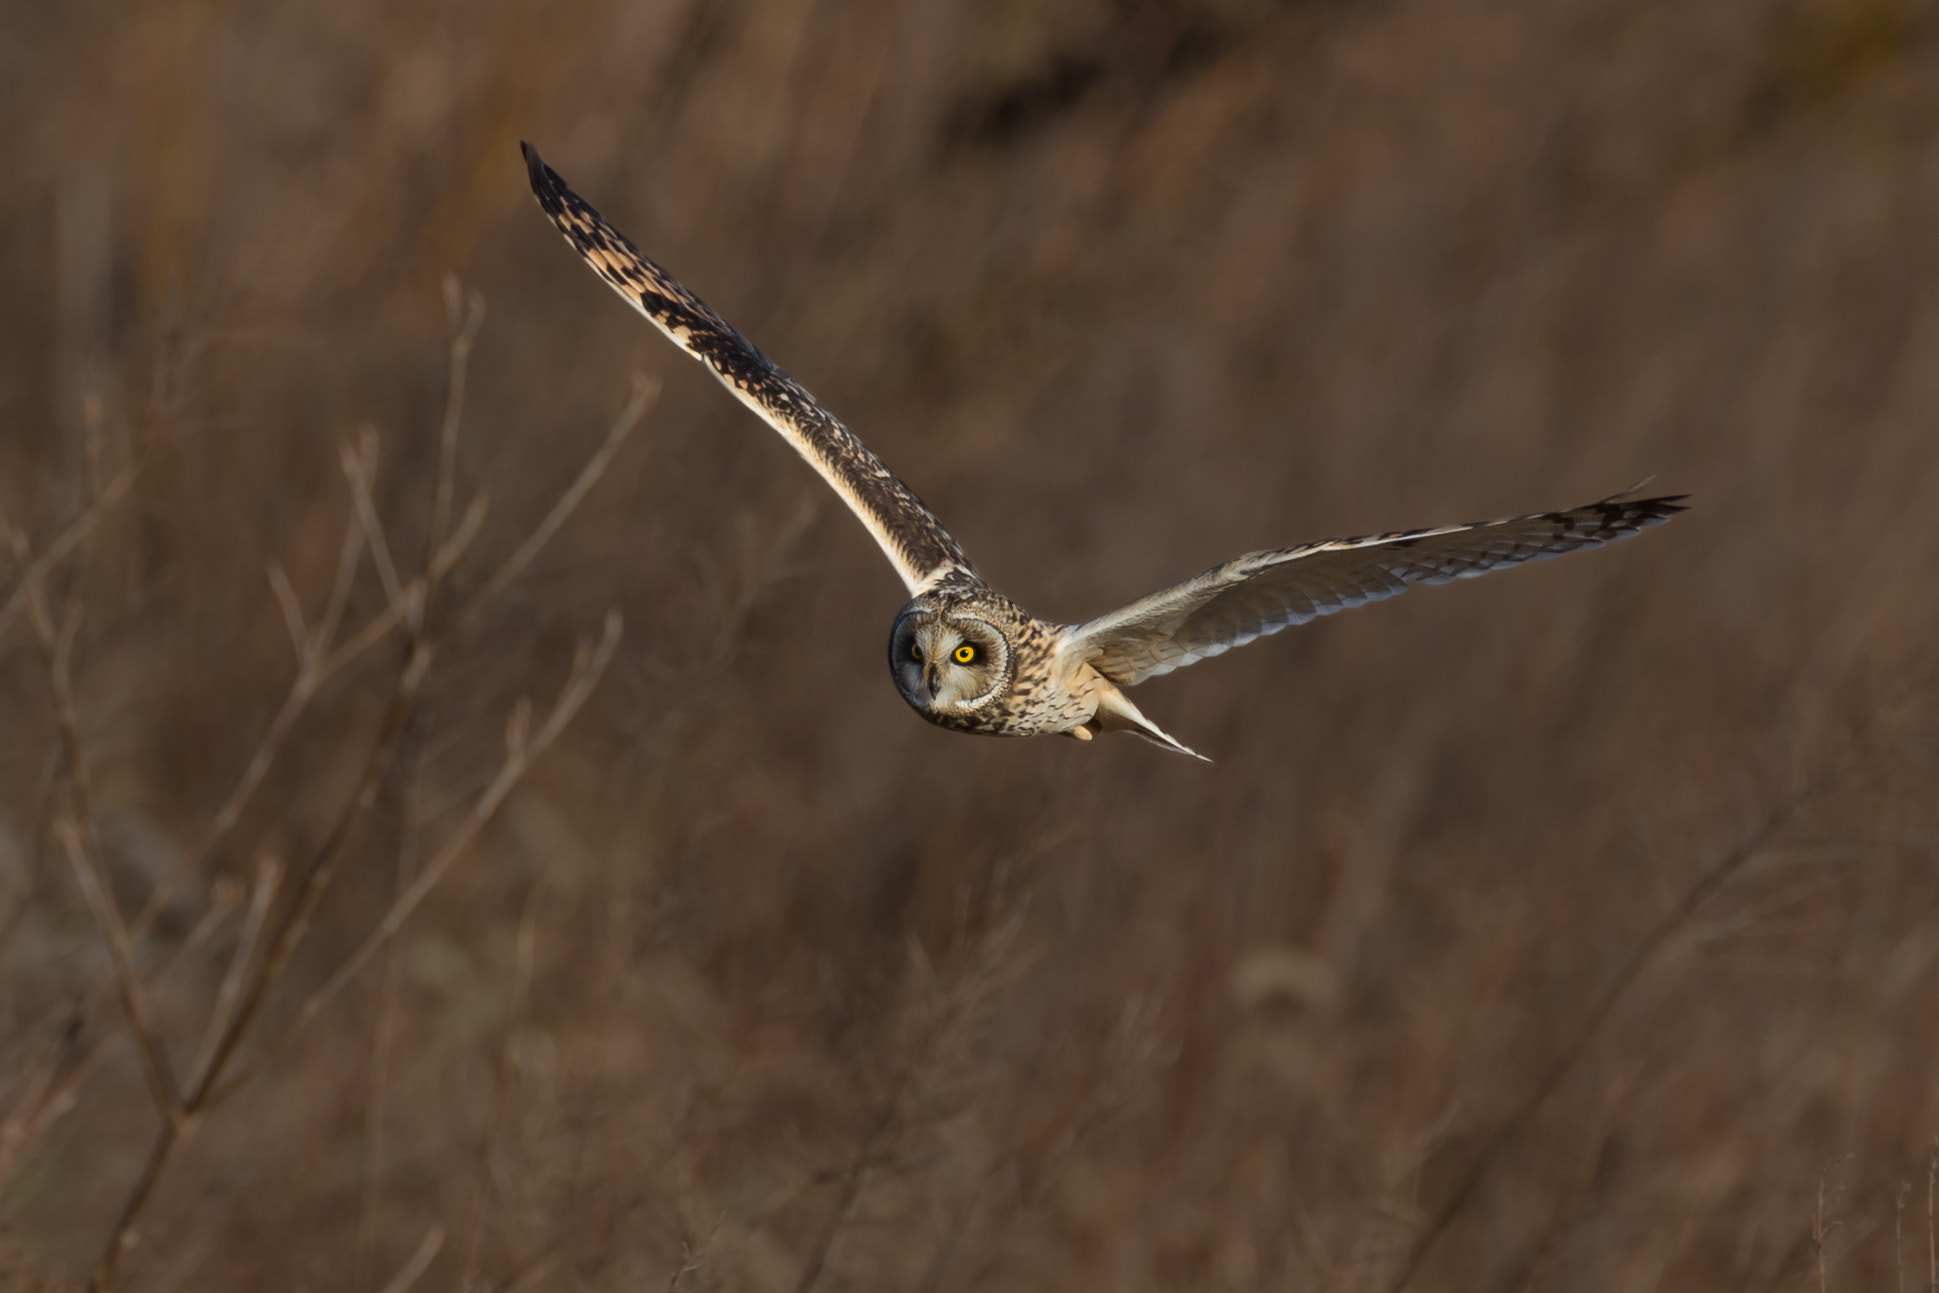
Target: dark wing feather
<point>915,541</point>
<point>1263,592</point>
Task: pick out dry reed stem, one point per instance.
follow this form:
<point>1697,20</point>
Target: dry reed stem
<point>420,1262</point>
<point>942,1007</point>
<point>1694,899</point>
<point>1819,1230</point>
<point>377,1103</point>
<point>465,314</point>
<point>525,951</point>
<point>1898,1235</point>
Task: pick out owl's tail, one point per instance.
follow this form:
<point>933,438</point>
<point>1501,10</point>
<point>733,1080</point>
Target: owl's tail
<point>1116,713</point>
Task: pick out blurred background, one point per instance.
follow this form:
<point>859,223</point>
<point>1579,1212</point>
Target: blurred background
<point>1573,929</point>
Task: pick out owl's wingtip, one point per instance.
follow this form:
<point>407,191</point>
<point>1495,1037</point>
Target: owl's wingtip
<point>545,183</point>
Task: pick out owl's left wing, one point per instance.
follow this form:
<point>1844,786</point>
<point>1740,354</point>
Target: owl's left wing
<point>914,540</point>
<point>1263,592</point>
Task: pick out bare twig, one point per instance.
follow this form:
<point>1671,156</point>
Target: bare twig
<point>357,470</point>
<point>465,313</point>
<point>269,875</point>
<point>21,1123</point>
<point>77,836</point>
<point>453,548</point>
<point>315,663</point>
<point>279,583</point>
<point>161,1079</point>
<point>37,568</point>
<point>691,1257</point>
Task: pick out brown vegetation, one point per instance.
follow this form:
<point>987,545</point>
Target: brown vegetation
<point>1573,929</point>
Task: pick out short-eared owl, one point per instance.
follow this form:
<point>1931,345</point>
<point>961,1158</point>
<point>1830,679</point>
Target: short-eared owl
<point>968,658</point>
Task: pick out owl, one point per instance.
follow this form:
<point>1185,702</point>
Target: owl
<point>967,658</point>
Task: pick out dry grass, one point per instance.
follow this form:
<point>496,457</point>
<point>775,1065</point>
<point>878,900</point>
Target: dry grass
<point>1570,930</point>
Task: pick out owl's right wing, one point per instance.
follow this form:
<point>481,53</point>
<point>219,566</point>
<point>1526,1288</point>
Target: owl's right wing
<point>1263,592</point>
<point>915,541</point>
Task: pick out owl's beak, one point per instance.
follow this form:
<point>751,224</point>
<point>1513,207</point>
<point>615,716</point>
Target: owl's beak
<point>930,676</point>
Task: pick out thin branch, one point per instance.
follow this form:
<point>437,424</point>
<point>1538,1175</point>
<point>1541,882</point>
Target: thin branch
<point>122,1236</point>
<point>46,1108</point>
<point>646,390</point>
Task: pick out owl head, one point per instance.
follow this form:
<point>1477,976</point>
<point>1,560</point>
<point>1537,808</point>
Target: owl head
<point>948,662</point>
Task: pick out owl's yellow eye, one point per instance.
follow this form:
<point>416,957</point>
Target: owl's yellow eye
<point>915,650</point>
<point>964,654</point>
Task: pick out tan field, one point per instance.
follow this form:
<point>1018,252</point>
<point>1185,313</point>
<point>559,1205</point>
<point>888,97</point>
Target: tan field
<point>494,814</point>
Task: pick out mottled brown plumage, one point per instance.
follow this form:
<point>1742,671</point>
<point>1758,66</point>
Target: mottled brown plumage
<point>966,657</point>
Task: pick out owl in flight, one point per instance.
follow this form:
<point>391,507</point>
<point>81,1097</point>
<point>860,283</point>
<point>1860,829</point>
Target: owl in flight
<point>968,658</point>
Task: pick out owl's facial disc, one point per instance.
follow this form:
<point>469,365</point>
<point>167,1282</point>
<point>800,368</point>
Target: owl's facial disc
<point>947,663</point>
